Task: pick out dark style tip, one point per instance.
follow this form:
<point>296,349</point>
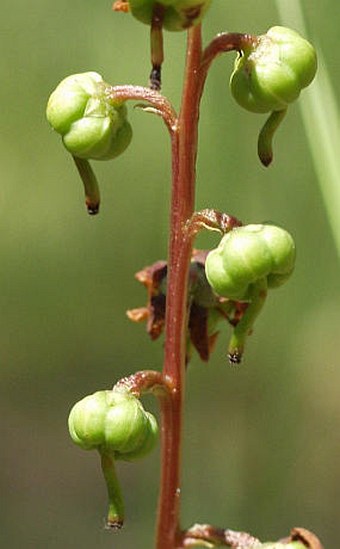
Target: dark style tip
<point>234,358</point>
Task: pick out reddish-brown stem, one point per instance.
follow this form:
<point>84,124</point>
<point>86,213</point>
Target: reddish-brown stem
<point>145,381</point>
<point>184,151</point>
<point>183,131</point>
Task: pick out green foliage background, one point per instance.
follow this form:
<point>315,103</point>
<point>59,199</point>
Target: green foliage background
<point>262,441</point>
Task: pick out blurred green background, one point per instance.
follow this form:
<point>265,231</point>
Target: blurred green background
<point>262,447</point>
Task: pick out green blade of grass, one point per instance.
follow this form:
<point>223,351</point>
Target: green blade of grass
<point>321,121</point>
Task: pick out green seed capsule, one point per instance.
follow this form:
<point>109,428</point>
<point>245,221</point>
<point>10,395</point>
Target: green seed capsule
<point>90,125</point>
<point>247,255</point>
<point>177,15</point>
<point>272,73</point>
<point>113,422</point>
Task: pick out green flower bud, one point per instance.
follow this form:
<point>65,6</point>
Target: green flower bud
<point>247,255</point>
<point>178,14</point>
<point>272,73</point>
<point>91,126</point>
<point>114,422</point>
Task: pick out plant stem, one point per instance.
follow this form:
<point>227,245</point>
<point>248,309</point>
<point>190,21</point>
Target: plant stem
<point>184,152</point>
<point>143,382</point>
<point>159,104</point>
